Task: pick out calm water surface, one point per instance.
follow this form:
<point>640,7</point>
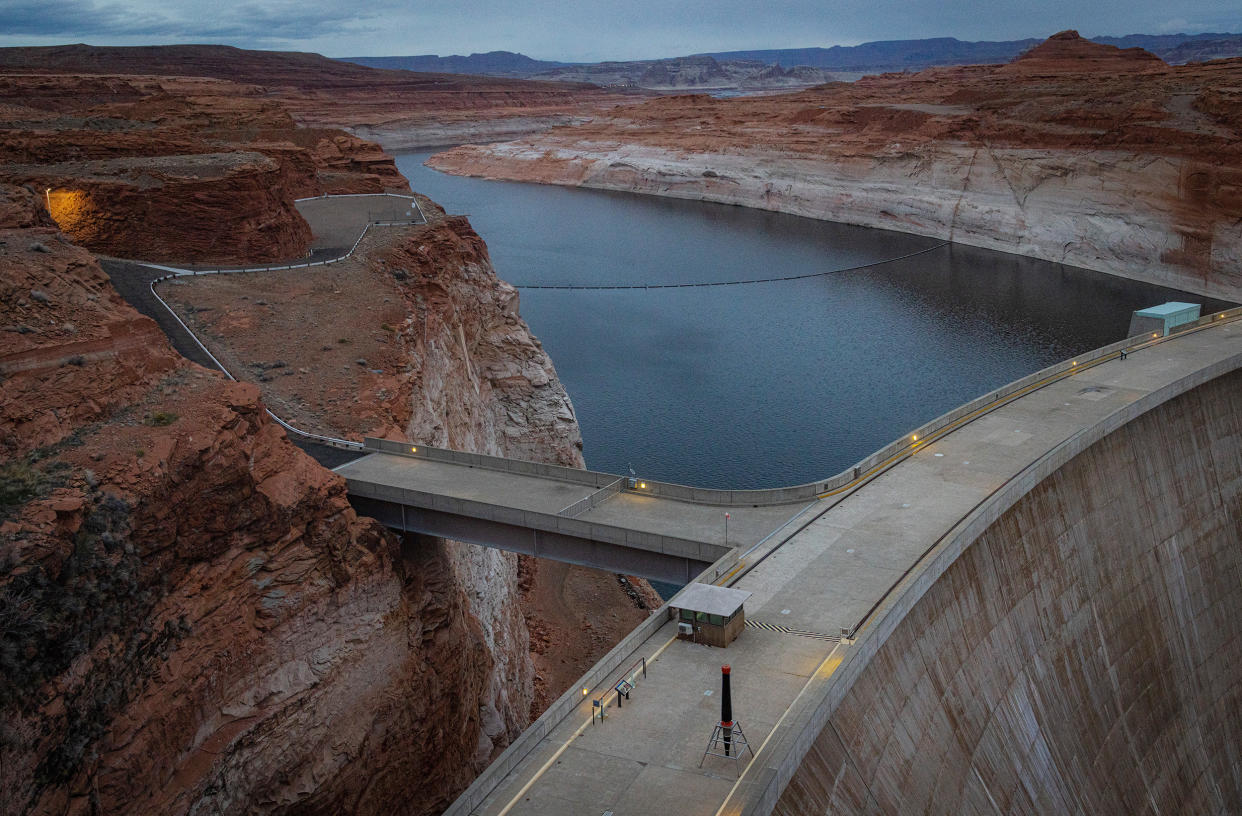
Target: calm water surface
<point>762,385</point>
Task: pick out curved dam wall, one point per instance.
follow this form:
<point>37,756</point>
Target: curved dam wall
<point>1081,654</point>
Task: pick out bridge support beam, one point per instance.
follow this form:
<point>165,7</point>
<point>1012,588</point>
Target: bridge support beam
<point>657,566</point>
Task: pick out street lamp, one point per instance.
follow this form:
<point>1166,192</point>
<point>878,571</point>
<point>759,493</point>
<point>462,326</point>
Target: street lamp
<point>48,195</point>
<point>726,529</point>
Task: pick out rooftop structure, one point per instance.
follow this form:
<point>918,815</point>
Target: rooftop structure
<point>710,614</point>
<point>1164,318</point>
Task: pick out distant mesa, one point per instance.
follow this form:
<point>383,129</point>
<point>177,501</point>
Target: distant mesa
<point>788,68</point>
<point>491,63</point>
<point>1067,52</point>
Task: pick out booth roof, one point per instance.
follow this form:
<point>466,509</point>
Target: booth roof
<point>712,600</point>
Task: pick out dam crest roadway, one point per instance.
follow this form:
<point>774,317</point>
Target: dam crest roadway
<point>844,569</point>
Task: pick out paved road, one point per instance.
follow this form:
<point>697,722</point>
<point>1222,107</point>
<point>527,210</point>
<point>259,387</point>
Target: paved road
<point>133,282</point>
<point>336,222</point>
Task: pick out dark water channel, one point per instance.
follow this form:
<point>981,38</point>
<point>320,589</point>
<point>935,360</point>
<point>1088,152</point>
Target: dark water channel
<point>761,385</point>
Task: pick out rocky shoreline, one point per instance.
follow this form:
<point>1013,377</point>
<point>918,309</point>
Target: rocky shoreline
<point>1077,153</point>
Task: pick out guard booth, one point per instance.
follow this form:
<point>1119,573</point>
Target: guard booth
<point>710,614</point>
<point>1163,319</point>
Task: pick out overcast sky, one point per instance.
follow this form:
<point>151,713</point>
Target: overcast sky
<point>588,30</point>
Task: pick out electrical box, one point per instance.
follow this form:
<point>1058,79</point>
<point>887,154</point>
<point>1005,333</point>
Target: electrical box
<point>684,628</point>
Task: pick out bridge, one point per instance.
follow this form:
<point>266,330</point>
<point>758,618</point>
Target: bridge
<point>877,672</point>
<point>655,530</point>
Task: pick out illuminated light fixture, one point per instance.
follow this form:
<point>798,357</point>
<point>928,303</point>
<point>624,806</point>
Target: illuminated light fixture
<point>1155,334</point>
<point>413,450</point>
<point>914,437</point>
<point>585,692</point>
<point>1073,363</point>
<point>643,485</point>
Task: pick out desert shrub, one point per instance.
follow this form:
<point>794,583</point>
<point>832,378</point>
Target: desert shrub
<point>23,480</point>
<point>161,419</point>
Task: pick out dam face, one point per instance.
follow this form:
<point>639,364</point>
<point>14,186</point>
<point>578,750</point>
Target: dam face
<point>1082,655</point>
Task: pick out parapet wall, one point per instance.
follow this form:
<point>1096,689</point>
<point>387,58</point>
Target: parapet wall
<point>1082,654</point>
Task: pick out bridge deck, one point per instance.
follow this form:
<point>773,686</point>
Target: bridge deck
<point>476,484</point>
<point>651,514</point>
<point>644,758</point>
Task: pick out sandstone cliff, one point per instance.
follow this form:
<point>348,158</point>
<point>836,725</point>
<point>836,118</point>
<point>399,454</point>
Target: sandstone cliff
<point>1077,153</point>
<point>194,618</point>
<point>174,168</point>
<point>437,353</point>
<point>191,616</point>
<point>192,613</point>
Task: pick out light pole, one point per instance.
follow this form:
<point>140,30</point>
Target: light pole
<point>726,529</point>
<point>47,194</point>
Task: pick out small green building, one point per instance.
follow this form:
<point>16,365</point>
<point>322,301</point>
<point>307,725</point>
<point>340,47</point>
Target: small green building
<point>1163,319</point>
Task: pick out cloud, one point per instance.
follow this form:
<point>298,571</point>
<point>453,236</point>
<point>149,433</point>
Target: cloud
<point>584,29</point>
<point>244,23</point>
<point>71,17</point>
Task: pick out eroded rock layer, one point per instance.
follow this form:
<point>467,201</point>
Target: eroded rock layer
<point>1076,152</point>
<point>1081,656</point>
<point>177,169</point>
<point>194,619</point>
<point>193,615</point>
<point>438,354</point>
<point>401,109</point>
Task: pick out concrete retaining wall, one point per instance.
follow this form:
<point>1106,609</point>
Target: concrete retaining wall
<point>1074,646</point>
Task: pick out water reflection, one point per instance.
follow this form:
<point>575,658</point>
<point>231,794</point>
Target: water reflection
<point>769,384</point>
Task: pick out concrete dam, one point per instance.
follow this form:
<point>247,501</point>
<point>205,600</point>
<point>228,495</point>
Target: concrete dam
<point>1080,653</point>
<point>1039,608</point>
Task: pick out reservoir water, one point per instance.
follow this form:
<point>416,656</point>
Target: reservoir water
<point>769,384</point>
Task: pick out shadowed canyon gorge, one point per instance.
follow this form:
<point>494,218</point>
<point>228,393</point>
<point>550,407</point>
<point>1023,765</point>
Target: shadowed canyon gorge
<point>193,619</point>
<point>193,616</point>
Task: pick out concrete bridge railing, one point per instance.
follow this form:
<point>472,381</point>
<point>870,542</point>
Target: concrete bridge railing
<point>702,551</point>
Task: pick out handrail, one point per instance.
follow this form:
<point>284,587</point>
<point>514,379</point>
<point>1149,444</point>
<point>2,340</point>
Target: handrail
<point>593,500</point>
<point>180,272</point>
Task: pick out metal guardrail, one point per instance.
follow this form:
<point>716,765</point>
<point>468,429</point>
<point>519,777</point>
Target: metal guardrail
<point>178,272</point>
<point>344,444</point>
<point>594,500</point>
